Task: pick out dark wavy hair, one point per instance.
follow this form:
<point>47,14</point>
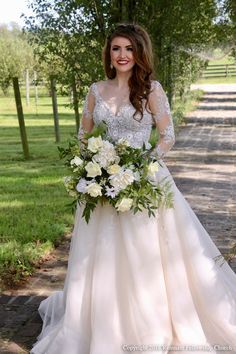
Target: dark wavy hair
<point>140,80</point>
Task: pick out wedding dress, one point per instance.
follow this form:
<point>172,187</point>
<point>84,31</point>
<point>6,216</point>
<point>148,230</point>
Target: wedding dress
<point>136,283</point>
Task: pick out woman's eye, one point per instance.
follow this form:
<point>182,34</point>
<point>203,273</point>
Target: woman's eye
<point>117,48</point>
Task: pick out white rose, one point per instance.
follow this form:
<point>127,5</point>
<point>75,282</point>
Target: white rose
<point>94,189</point>
<point>127,177</point>
<point>122,179</point>
<point>101,160</point>
<point>93,169</point>
<point>94,144</point>
<point>152,168</point>
<point>123,141</point>
<point>113,169</point>
<point>124,204</point>
<point>115,182</point>
<point>76,161</point>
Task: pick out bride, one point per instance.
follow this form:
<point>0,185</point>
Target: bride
<point>136,283</point>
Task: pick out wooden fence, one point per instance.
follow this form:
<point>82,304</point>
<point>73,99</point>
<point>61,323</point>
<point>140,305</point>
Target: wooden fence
<point>221,70</point>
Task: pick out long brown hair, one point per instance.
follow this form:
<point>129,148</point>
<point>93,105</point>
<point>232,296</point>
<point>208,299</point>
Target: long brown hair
<point>142,73</point>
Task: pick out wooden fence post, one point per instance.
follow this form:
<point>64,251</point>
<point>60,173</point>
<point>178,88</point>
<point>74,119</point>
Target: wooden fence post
<point>27,87</point>
<point>55,109</point>
<point>21,118</point>
<point>76,104</point>
<point>36,88</point>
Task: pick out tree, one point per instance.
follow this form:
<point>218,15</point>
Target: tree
<point>16,55</point>
<point>227,25</point>
<point>75,30</point>
<point>62,40</point>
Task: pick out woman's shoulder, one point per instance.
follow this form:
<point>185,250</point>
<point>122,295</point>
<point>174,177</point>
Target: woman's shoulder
<point>155,84</point>
<point>99,83</point>
<point>97,86</point>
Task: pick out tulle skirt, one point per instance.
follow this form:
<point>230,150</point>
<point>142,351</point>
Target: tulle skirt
<point>141,284</point>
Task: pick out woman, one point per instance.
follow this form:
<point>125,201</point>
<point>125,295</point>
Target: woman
<point>136,283</point>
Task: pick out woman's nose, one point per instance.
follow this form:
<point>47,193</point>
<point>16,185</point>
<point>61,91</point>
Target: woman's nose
<point>122,53</point>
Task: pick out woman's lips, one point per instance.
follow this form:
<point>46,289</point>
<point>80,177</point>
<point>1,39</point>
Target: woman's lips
<point>122,62</point>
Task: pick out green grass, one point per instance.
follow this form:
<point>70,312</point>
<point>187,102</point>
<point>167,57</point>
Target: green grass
<point>33,213</point>
<point>187,104</point>
<point>218,80</point>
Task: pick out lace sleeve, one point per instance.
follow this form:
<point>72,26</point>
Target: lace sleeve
<point>161,113</point>
<point>86,124</point>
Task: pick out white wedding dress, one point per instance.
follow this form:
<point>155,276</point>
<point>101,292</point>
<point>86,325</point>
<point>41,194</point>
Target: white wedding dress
<point>133,280</point>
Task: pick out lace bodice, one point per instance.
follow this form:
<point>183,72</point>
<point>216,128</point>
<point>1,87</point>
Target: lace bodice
<point>123,125</point>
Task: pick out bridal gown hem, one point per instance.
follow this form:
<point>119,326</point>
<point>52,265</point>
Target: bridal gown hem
<point>139,283</point>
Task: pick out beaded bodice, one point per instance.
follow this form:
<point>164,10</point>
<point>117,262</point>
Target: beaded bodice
<point>124,125</point>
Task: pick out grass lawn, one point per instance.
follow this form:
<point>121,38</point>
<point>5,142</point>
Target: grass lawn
<point>33,212</point>
<point>217,80</point>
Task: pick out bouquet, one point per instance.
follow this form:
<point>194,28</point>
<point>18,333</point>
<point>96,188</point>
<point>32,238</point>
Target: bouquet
<point>116,173</point>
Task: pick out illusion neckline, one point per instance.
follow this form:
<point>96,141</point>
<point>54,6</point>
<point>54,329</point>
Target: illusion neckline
<point>122,106</point>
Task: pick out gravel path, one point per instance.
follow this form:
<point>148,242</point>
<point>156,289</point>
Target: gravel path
<point>202,163</point>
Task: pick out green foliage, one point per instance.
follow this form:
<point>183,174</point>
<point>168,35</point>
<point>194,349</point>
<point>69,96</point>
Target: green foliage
<point>64,42</point>
<point>69,36</point>
<point>227,24</point>
<point>177,34</point>
<point>16,55</point>
<point>18,260</point>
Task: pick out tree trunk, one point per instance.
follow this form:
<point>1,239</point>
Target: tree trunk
<point>118,14</point>
<point>55,108</point>
<point>21,118</point>
<point>76,105</point>
<point>131,10</point>
<point>169,76</point>
<point>27,88</point>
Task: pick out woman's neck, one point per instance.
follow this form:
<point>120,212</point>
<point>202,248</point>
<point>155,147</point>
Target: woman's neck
<point>121,80</point>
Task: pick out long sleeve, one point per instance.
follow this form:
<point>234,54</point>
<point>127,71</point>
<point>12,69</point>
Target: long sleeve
<point>160,108</point>
<point>86,124</point>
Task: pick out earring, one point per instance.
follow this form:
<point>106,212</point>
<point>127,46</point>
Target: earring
<point>111,66</point>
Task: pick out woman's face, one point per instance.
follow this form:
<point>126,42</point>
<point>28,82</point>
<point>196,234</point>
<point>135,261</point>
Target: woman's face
<point>122,54</point>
